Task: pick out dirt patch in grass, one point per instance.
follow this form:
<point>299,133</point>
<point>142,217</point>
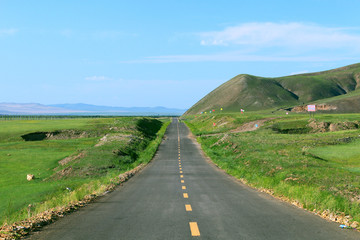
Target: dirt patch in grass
<point>62,134</point>
<point>109,138</point>
<point>250,126</point>
<point>71,158</point>
<point>246,127</point>
<point>319,107</point>
<point>320,126</point>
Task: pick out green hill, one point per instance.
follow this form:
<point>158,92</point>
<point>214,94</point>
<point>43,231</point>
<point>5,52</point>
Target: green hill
<point>338,88</point>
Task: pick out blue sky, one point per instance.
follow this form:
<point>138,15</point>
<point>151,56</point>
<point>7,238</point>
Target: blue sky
<point>164,53</point>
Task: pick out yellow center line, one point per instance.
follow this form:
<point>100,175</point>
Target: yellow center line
<point>183,187</point>
<point>188,207</point>
<point>185,195</point>
<point>181,176</point>
<point>182,181</point>
<point>180,168</point>
<point>194,229</point>
<point>181,171</point>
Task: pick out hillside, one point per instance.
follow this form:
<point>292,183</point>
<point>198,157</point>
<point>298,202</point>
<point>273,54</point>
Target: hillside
<point>338,88</point>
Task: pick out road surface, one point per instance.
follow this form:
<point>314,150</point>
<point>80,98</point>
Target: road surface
<point>180,195</point>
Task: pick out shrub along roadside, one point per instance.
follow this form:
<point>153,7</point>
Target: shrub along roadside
<point>62,202</point>
<point>280,165</point>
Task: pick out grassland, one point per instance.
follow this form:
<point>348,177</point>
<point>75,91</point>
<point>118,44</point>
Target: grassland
<point>307,164</point>
<point>77,157</point>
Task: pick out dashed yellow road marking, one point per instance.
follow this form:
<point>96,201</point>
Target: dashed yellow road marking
<point>194,229</point>
<point>188,207</point>
<point>181,176</point>
<point>183,187</point>
<point>181,171</point>
<point>182,181</point>
<point>180,168</point>
<point>185,195</point>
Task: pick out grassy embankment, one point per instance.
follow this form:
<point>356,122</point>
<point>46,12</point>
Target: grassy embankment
<point>291,158</point>
<point>93,163</point>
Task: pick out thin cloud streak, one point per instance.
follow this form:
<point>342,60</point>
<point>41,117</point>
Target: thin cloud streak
<point>292,34</point>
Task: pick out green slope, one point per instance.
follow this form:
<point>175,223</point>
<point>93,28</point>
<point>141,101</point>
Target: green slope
<point>259,93</point>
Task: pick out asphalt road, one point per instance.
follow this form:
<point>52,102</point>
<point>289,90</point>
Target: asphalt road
<point>180,195</point>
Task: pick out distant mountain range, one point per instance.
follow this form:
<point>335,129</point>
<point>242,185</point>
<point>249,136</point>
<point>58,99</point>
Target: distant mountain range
<point>83,109</point>
<point>336,90</point>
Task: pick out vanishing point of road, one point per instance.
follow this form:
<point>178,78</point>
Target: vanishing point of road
<point>181,195</point>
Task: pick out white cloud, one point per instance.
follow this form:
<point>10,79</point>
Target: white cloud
<point>97,78</point>
<point>8,32</point>
<point>283,35</point>
<point>272,42</point>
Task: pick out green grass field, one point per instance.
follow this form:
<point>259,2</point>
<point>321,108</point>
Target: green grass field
<point>129,142</point>
<point>319,170</point>
<point>346,156</point>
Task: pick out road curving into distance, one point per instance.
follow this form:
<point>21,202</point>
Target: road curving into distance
<point>180,195</point>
